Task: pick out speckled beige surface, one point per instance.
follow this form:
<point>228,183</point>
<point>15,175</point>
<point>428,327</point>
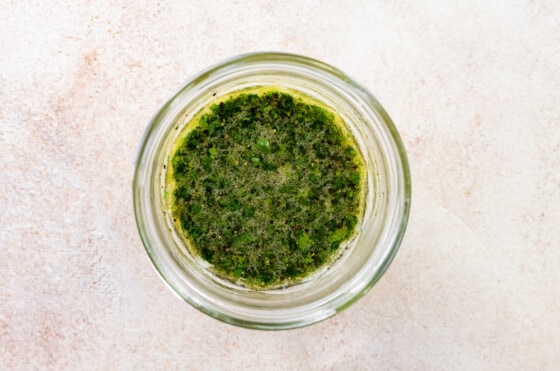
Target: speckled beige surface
<point>474,88</point>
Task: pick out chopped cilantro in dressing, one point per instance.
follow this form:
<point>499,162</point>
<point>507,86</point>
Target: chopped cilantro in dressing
<point>265,186</point>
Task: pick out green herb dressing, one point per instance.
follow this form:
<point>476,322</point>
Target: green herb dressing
<point>265,185</point>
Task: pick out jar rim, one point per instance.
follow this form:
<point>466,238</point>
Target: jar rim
<point>143,192</point>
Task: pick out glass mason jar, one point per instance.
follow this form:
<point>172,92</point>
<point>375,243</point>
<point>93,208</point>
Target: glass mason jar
<point>365,258</point>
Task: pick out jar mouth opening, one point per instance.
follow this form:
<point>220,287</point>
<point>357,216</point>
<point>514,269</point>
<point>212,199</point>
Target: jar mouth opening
<point>384,220</point>
<point>188,255</point>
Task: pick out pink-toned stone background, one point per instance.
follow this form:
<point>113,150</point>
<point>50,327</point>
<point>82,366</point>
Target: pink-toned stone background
<point>473,86</point>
